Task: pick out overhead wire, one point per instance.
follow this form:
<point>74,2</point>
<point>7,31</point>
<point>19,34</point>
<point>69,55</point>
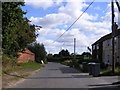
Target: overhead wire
<point>75,21</point>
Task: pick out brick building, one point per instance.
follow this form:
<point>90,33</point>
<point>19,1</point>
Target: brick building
<point>26,56</point>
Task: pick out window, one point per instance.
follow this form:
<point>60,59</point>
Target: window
<point>97,57</point>
<point>108,58</point>
<point>97,46</point>
<point>109,42</point>
<point>93,47</point>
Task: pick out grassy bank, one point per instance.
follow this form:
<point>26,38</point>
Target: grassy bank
<point>23,66</point>
<point>12,74</point>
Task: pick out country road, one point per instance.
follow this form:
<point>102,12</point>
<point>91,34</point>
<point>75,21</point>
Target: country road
<point>55,75</point>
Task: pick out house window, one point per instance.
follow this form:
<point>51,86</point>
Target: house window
<point>108,58</point>
<point>97,46</point>
<point>109,42</point>
<point>93,47</point>
<point>115,40</point>
<point>97,57</point>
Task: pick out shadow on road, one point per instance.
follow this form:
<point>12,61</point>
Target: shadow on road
<point>53,69</point>
<point>100,85</point>
<point>104,87</point>
<point>73,76</point>
<point>82,76</point>
<point>68,70</point>
<point>46,77</point>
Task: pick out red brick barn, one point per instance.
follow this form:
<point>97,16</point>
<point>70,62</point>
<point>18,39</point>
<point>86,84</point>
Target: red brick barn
<point>26,56</point>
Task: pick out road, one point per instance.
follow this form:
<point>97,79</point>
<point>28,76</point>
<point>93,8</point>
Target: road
<point>55,75</point>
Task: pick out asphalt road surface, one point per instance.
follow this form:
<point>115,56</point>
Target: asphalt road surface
<point>55,75</point>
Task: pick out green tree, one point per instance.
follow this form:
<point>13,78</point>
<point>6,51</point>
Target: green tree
<point>16,30</point>
<point>39,51</point>
<point>49,55</point>
<point>64,53</point>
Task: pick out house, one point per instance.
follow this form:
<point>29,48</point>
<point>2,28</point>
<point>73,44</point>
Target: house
<point>102,49</point>
<point>25,56</point>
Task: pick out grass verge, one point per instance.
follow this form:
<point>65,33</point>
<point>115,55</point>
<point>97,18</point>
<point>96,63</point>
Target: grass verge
<point>65,63</point>
<point>109,72</point>
<point>23,66</point>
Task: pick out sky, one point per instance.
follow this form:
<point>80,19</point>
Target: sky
<point>56,16</point>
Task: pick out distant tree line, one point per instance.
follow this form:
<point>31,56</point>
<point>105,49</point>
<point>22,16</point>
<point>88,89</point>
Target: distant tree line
<point>65,55</point>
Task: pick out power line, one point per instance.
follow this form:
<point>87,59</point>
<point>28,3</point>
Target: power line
<point>74,21</point>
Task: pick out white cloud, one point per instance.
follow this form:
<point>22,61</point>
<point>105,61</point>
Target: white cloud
<point>51,20</point>
<point>108,14</point>
<point>66,41</point>
<point>73,8</point>
<point>85,30</point>
<point>39,3</point>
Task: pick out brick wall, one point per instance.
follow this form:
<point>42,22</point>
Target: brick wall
<point>26,56</point>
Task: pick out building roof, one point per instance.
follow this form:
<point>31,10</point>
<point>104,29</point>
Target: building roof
<point>26,51</point>
<point>108,36</point>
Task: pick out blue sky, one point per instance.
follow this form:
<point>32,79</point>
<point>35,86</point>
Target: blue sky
<point>40,12</point>
<point>56,17</point>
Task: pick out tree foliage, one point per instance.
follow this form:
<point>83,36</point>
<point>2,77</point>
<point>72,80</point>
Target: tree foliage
<point>64,53</point>
<point>39,51</point>
<point>16,30</point>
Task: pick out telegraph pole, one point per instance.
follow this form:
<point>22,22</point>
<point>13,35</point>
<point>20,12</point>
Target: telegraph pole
<point>113,34</point>
<point>118,5</point>
<point>73,61</point>
<point>74,47</point>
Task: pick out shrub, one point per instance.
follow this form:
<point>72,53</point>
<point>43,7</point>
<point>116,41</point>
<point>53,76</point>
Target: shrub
<point>117,64</point>
<point>103,66</point>
<point>8,61</point>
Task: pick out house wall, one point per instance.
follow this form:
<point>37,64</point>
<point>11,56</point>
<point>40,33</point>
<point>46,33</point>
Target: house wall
<point>117,49</point>
<point>104,52</point>
<point>107,51</point>
<point>97,51</point>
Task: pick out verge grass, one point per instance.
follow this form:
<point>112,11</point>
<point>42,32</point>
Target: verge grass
<point>109,72</point>
<point>23,66</point>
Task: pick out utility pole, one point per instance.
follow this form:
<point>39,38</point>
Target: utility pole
<point>118,5</point>
<point>74,47</point>
<point>73,61</point>
<point>113,34</point>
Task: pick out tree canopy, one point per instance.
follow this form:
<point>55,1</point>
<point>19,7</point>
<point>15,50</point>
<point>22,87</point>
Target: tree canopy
<point>64,53</point>
<point>16,30</point>
<point>38,50</point>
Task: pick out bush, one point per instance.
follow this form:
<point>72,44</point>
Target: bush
<point>117,64</point>
<point>8,61</point>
